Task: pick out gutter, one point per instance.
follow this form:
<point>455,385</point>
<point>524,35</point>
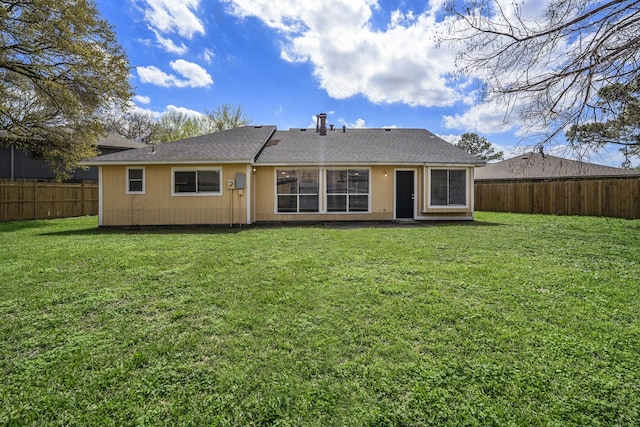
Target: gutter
<point>163,162</point>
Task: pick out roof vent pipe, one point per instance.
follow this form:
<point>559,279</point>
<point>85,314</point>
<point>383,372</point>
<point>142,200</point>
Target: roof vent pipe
<point>344,128</point>
<point>322,127</point>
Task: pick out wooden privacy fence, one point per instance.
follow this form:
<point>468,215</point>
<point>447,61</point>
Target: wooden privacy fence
<point>588,196</point>
<point>39,200</point>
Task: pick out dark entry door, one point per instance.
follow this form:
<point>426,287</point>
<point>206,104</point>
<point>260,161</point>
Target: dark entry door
<point>405,193</point>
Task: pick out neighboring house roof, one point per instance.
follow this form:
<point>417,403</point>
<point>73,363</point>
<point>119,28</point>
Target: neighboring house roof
<point>230,146</point>
<point>362,146</point>
<point>117,141</point>
<point>265,145</point>
<point>537,165</point>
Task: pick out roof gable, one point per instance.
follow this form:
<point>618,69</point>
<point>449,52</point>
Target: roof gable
<point>117,141</point>
<point>229,146</point>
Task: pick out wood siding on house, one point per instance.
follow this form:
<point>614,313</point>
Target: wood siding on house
<point>381,193</point>
<point>159,207</point>
<point>257,202</point>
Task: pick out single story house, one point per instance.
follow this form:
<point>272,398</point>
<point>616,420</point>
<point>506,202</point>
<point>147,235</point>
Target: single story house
<point>538,165</point>
<point>539,183</point>
<point>262,174</point>
<point>18,164</point>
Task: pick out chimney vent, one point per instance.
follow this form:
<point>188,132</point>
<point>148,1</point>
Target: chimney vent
<point>322,127</point>
<point>331,128</point>
<point>344,128</point>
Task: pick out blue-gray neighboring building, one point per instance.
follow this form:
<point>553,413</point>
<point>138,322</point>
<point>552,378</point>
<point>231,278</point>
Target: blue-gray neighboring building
<point>18,164</point>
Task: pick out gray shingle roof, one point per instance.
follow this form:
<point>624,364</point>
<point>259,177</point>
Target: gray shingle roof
<point>117,141</point>
<point>265,145</point>
<point>366,146</point>
<point>535,165</point>
<point>234,145</point>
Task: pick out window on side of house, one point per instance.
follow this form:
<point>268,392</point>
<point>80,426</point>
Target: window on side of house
<point>347,190</point>
<point>298,190</point>
<point>135,180</point>
<point>448,187</point>
<point>205,181</point>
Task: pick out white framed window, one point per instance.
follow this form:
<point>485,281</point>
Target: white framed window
<point>135,180</point>
<point>448,188</point>
<point>202,181</point>
<point>347,190</point>
<point>297,190</point>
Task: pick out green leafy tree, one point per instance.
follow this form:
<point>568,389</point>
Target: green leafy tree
<point>176,125</point>
<point>619,105</point>
<point>60,67</point>
<point>479,146</point>
<point>228,117</point>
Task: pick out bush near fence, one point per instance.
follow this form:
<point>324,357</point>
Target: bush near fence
<point>24,200</point>
<point>586,196</point>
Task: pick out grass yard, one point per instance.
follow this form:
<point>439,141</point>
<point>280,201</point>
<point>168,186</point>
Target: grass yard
<point>512,320</point>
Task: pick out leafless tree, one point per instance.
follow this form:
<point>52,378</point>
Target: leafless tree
<point>139,126</point>
<point>549,66</point>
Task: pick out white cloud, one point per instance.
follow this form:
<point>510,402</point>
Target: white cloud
<point>450,138</point>
<point>142,99</point>
<point>195,75</point>
<point>168,109</point>
<point>174,16</point>
<point>398,64</point>
<point>208,55</point>
<point>486,118</point>
<point>358,124</point>
<point>182,110</point>
<point>154,75</point>
<point>169,45</point>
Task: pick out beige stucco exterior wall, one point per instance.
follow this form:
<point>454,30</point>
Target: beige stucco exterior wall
<point>157,206</point>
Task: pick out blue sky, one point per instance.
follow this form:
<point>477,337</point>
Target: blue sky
<point>366,63</point>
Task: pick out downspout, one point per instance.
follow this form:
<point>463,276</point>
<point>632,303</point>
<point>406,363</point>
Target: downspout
<point>100,197</point>
<point>472,186</point>
<point>231,219</point>
<point>248,194</point>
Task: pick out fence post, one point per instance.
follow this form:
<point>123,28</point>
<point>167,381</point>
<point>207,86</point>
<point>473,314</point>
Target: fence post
<point>35,200</point>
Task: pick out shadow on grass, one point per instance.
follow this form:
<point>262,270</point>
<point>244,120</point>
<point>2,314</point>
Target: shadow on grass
<point>217,229</point>
<point>95,231</point>
<point>466,223</point>
<point>22,225</point>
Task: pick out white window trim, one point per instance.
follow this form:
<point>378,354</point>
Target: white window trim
<point>197,194</point>
<point>322,191</point>
<point>347,212</point>
<point>275,191</point>
<point>144,180</point>
<point>466,180</point>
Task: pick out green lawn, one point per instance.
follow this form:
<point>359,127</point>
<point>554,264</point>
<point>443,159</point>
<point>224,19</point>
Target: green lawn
<point>511,320</point>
